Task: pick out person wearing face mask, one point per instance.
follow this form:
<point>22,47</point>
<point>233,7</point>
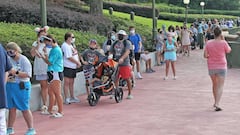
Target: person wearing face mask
<point>170,55</point>
<point>120,52</point>
<point>111,37</point>
<point>171,30</point>
<point>90,57</point>
<point>137,42</point>
<point>71,63</point>
<point>185,38</point>
<point>4,68</point>
<point>55,75</point>
<point>19,88</point>
<point>40,67</point>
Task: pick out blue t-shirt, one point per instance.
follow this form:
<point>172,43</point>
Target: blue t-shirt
<point>56,59</point>
<point>5,66</point>
<point>135,39</point>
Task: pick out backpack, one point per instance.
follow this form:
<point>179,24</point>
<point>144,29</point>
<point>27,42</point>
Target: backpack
<point>131,54</point>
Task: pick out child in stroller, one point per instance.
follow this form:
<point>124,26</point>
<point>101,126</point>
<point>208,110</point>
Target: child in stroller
<point>100,75</point>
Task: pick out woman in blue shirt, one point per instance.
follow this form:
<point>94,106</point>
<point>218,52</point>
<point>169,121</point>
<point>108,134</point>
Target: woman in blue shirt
<point>55,75</point>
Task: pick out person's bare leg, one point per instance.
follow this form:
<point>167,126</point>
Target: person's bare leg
<point>214,88</point>
<point>129,84</point>
<point>58,95</point>
<point>28,118</point>
<point>44,91</point>
<point>66,85</point>
<point>173,68</point>
<point>150,63</point>
<point>138,65</point>
<point>167,68</point>
<point>147,67</point>
<point>52,100</point>
<point>12,117</point>
<point>71,87</point>
<point>220,84</point>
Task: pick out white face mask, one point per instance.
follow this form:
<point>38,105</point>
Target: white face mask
<point>132,31</point>
<point>73,40</point>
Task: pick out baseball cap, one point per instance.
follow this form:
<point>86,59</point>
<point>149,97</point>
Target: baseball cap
<point>122,32</point>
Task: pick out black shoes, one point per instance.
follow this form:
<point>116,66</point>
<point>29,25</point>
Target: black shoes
<point>217,109</point>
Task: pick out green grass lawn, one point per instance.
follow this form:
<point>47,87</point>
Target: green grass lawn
<point>142,20</point>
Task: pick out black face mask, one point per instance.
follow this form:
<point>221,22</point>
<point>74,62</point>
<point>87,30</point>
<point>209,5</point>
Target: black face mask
<point>120,37</point>
<point>12,54</point>
<point>91,48</point>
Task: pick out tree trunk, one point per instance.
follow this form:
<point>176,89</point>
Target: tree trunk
<point>96,7</point>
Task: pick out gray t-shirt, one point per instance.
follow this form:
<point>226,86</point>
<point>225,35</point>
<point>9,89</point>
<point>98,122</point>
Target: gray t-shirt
<point>118,49</point>
<point>91,56</point>
<point>23,65</point>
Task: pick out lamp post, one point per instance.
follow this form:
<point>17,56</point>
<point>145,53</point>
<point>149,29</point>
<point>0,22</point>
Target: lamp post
<point>43,11</point>
<point>186,2</point>
<point>202,4</point>
<point>154,22</point>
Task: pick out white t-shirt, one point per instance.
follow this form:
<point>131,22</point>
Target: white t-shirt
<point>39,66</point>
<point>68,52</point>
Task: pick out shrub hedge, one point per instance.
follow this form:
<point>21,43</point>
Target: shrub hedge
<point>146,10</point>
<point>143,11</point>
<point>218,12</point>
<point>192,17</point>
<point>24,35</point>
<point>27,11</point>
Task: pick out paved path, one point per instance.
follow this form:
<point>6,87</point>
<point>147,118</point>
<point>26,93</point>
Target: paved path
<point>171,107</point>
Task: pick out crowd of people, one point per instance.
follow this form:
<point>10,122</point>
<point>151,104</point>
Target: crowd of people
<point>54,64</point>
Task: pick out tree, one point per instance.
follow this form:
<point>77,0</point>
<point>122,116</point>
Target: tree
<point>96,7</point>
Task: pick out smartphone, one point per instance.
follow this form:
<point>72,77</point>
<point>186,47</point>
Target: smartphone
<point>21,85</point>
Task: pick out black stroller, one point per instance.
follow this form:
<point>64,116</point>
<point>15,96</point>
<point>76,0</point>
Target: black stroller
<point>101,81</point>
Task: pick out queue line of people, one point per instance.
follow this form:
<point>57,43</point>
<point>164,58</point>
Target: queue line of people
<point>57,61</point>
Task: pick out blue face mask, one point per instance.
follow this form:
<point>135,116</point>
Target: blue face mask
<point>113,37</point>
<point>48,46</point>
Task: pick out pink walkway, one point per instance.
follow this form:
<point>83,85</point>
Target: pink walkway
<point>171,107</point>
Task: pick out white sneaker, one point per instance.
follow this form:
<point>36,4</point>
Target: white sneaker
<point>55,108</point>
<point>112,97</point>
<point>57,115</point>
<point>74,100</point>
<point>139,76</point>
<point>67,101</point>
<point>165,78</point>
<point>175,78</point>
<point>44,109</point>
<point>129,97</point>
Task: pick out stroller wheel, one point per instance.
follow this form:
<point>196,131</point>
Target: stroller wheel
<point>118,95</point>
<point>93,98</point>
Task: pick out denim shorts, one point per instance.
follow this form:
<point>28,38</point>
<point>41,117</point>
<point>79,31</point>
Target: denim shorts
<point>220,72</point>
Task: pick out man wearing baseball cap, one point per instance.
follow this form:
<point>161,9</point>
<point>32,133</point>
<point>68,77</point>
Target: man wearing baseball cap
<point>120,51</point>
